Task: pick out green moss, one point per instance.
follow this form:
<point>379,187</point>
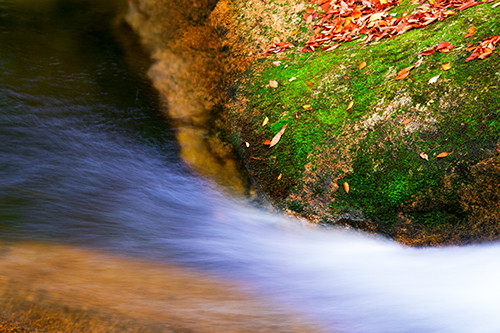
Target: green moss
<point>458,114</point>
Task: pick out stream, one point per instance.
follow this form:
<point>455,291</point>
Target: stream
<point>89,164</point>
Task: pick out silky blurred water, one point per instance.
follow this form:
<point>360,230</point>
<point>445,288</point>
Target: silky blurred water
<point>87,160</point>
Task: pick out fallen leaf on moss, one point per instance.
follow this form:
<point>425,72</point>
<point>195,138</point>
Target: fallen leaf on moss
<point>406,121</point>
<point>266,120</point>
<point>307,107</point>
<point>446,67</point>
<point>276,63</point>
<point>428,52</point>
<point>468,5</point>
<point>362,65</point>
<point>292,79</point>
<point>267,142</point>
<point>424,156</point>
<point>277,137</point>
<point>300,7</point>
<point>443,155</point>
<point>351,103</point>
<point>273,84</point>
<point>434,79</point>
<point>346,187</point>
<point>444,47</point>
<point>403,74</point>
<point>247,144</point>
<point>418,63</point>
<point>279,177</point>
<point>472,31</point>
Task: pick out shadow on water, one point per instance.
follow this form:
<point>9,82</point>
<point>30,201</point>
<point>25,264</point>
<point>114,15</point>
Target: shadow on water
<point>104,229</point>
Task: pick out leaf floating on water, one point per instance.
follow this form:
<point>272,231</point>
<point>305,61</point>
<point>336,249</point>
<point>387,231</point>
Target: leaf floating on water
<point>472,31</point>
<point>434,79</point>
<point>277,137</point>
<point>424,156</point>
<point>443,155</point>
<point>351,103</point>
<point>266,120</point>
<point>267,142</point>
<point>362,65</point>
<point>446,66</point>
<point>346,187</point>
<point>273,84</point>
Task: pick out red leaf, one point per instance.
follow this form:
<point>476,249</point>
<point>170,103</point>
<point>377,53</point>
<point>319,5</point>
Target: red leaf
<point>428,52</point>
<point>468,5</point>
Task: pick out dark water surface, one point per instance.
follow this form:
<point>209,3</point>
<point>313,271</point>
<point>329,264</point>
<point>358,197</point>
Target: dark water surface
<point>87,160</point>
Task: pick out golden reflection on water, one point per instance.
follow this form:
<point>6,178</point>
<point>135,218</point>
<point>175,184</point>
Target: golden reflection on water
<point>62,288</point>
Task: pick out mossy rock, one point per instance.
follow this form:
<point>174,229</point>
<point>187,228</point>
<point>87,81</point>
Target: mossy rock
<point>380,135</point>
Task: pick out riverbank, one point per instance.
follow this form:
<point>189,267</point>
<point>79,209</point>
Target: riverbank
<point>414,155</point>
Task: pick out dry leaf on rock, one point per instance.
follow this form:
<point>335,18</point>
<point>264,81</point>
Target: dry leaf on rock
<point>402,74</point>
<point>472,31</point>
<point>434,79</point>
<point>277,137</point>
<point>266,120</point>
<point>351,103</point>
<point>446,67</point>
<point>443,155</point>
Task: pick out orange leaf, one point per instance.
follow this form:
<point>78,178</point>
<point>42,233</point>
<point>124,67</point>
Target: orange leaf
<point>406,121</point>
<point>277,137</point>
<point>346,187</point>
<point>273,84</point>
<point>446,66</point>
<point>443,155</point>
<point>472,31</point>
<point>362,65</point>
<point>402,74</point>
<point>351,103</point>
<point>267,142</point>
<point>306,107</point>
<point>279,177</point>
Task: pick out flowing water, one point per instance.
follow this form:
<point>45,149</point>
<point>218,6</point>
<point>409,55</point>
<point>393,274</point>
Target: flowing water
<point>97,210</point>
